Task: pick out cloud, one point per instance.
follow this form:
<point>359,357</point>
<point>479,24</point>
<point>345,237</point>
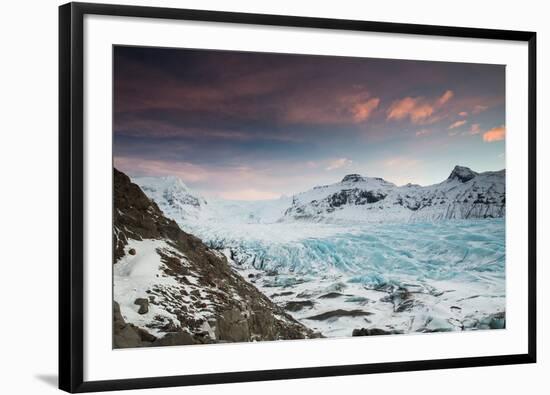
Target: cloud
<point>312,164</point>
<point>338,163</point>
<point>362,111</point>
<point>457,124</point>
<point>448,95</point>
<point>409,107</point>
<point>475,128</point>
<point>495,134</point>
<point>479,108</point>
<point>422,132</point>
<point>463,114</point>
<point>322,107</point>
<point>417,109</point>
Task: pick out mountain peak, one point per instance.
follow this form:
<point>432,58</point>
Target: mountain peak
<point>353,178</point>
<point>462,173</point>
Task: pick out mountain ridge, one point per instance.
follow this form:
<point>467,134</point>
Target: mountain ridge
<point>464,194</point>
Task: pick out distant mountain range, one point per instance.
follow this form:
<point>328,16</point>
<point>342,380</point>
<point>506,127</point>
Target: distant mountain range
<point>465,194</point>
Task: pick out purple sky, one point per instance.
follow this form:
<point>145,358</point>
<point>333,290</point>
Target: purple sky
<point>241,125</point>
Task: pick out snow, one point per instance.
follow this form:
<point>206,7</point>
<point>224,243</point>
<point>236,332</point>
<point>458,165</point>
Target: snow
<point>465,194</point>
<point>450,260</point>
<point>172,195</point>
<point>134,275</point>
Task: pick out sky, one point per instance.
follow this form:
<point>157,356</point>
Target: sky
<point>255,126</point>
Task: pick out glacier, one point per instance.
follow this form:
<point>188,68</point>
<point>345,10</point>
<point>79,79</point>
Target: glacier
<point>359,260</point>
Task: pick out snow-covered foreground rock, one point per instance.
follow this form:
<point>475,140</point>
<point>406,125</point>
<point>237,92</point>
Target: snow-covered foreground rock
<point>169,288</point>
<point>364,256</point>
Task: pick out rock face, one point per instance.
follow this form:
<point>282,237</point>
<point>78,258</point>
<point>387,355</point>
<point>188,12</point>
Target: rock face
<point>189,293</point>
<point>465,194</point>
<point>128,335</point>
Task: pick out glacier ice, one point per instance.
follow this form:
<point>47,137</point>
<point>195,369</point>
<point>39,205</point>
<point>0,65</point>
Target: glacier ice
<point>430,269</point>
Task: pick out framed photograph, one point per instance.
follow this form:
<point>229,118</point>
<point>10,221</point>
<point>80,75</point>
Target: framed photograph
<point>251,197</point>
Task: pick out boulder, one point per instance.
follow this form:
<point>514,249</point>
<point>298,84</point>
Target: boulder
<point>143,304</point>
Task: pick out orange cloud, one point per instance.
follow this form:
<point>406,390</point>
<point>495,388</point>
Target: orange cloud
<point>362,111</point>
<point>463,114</point>
<point>457,124</point>
<point>448,95</point>
<point>495,134</point>
<point>409,107</point>
<point>417,109</point>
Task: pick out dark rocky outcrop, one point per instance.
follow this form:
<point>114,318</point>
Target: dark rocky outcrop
<point>339,313</point>
<point>297,305</point>
<point>462,173</point>
<point>374,332</point>
<point>128,335</point>
<point>353,178</point>
<point>236,310</point>
<point>331,295</point>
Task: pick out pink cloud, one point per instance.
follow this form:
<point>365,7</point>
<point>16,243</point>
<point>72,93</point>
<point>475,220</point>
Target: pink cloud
<point>495,134</point>
<point>479,108</point>
<point>475,128</point>
<point>318,108</point>
<point>338,163</point>
<point>457,124</point>
<point>417,109</point>
<point>401,162</point>
<point>463,114</point>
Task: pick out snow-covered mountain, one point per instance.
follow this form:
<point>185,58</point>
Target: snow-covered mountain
<point>173,197</point>
<point>465,194</point>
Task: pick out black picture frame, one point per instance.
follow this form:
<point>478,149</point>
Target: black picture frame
<point>71,197</point>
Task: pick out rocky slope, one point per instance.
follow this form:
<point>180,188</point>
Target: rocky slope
<point>465,194</point>
<point>170,288</point>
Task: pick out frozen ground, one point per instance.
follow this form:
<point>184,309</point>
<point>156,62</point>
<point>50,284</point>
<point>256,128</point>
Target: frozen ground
<point>337,276</point>
<point>439,276</point>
